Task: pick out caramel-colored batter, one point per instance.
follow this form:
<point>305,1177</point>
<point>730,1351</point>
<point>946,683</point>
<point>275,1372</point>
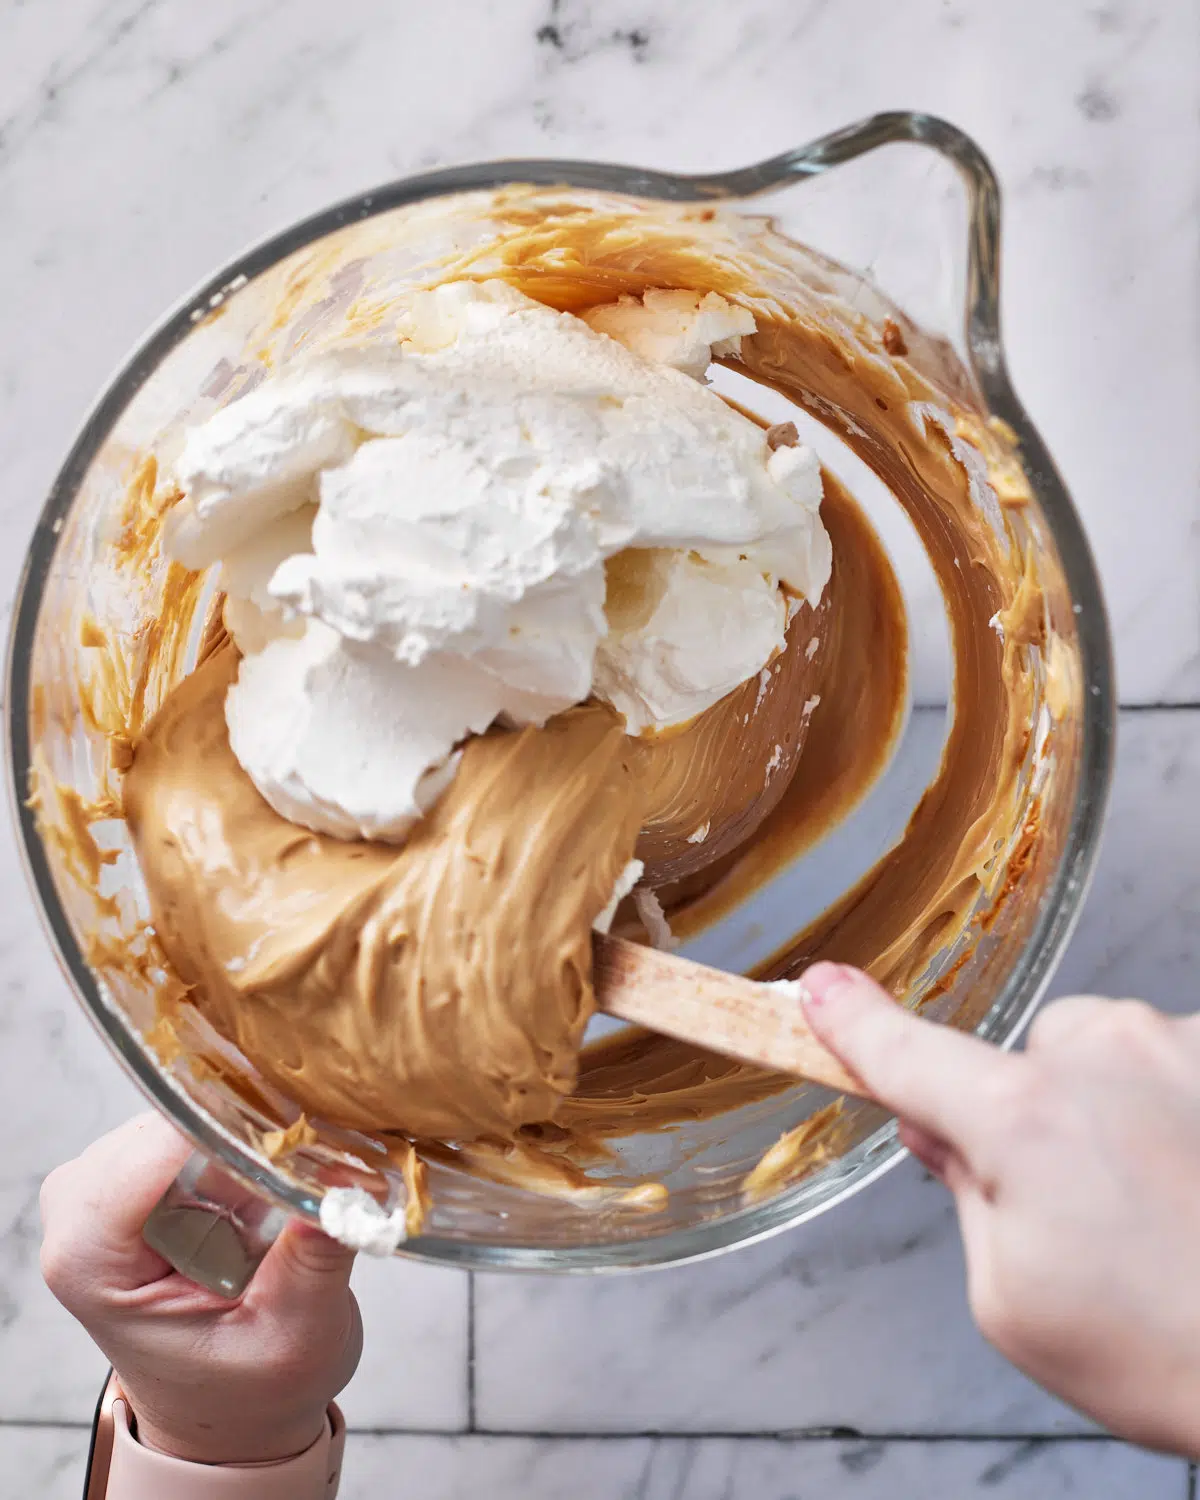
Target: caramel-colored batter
<point>859,693</point>
<point>441,989</point>
<point>435,989</point>
<point>969,845</point>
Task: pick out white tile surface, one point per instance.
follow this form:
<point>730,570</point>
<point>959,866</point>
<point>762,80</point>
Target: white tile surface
<point>857,1320</point>
<point>45,1462</point>
<point>916,1365</point>
<point>49,1463</point>
<point>1140,929</point>
<point>718,1469</point>
<point>146,141</point>
<point>60,1089</point>
<point>414,1366</point>
<point>142,142</point>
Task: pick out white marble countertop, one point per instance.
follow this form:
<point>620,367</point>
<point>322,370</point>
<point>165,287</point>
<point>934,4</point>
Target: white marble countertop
<point>144,142</point>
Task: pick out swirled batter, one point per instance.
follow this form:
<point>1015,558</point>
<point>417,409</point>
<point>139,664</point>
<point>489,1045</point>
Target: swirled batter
<point>431,989</point>
<point>904,407</point>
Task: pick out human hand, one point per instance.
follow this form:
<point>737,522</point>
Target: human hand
<point>208,1380</point>
<point>1076,1172</point>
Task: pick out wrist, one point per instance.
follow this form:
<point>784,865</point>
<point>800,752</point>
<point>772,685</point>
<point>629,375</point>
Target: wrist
<point>122,1468</point>
<point>256,1438</point>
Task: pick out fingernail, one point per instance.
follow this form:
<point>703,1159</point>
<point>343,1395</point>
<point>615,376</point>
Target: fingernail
<point>822,980</point>
<point>313,1244</point>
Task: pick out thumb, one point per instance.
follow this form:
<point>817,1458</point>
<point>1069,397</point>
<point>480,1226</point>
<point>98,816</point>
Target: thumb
<point>928,1074</point>
<point>303,1269</point>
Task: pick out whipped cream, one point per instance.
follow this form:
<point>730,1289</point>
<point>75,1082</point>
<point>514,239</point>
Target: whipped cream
<point>654,919</point>
<point>691,631</point>
<point>678,328</point>
<point>353,1218</point>
<point>625,882</point>
<point>504,512</point>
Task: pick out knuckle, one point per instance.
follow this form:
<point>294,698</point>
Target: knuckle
<point>57,1267</point>
<point>1063,1020</point>
<point>1005,1316</point>
<point>991,1311</point>
<point>48,1195</point>
<point>1004,1327</point>
<point>1017,1096</point>
<point>65,1254</point>
<point>1101,1030</point>
<point>1124,1028</point>
<point>56,1256</point>
<point>1134,1017</point>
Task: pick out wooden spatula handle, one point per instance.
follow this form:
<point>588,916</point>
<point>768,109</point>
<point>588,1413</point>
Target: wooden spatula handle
<point>755,1023</point>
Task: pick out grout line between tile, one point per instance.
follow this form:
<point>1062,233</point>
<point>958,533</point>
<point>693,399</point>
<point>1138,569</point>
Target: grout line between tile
<point>39,1424</point>
<point>1185,706</point>
<point>798,1436</point>
<point>1191,1484</point>
<point>1157,706</point>
<point>471,1423</point>
<point>785,1435</point>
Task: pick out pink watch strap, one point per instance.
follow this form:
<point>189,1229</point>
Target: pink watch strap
<point>139,1473</point>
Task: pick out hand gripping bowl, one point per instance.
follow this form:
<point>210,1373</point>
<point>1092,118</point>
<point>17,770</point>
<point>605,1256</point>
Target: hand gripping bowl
<point>910,202</point>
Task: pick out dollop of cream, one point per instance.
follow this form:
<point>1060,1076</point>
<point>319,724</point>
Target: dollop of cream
<point>353,1218</point>
<point>673,326</point>
<point>506,513</point>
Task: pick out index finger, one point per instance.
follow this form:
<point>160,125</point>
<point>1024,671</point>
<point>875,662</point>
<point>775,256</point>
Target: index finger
<point>95,1206</point>
<point>925,1072</point>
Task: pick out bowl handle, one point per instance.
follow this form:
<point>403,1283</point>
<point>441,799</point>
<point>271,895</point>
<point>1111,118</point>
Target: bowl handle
<point>211,1228</point>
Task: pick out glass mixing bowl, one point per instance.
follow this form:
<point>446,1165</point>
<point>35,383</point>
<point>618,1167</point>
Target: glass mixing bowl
<point>912,206</point>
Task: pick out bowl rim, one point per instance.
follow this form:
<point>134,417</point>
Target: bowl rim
<point>1060,907</point>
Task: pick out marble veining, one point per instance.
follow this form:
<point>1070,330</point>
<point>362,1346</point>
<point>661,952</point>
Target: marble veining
<point>144,142</point>
<point>808,1331</point>
<point>718,1469</point>
<point>205,127</point>
<point>47,1462</point>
